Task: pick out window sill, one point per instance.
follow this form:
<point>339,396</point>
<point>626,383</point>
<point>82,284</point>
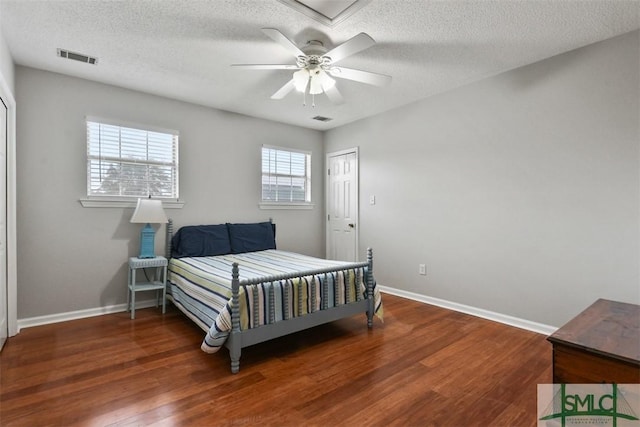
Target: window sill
<point>284,205</point>
<point>125,203</point>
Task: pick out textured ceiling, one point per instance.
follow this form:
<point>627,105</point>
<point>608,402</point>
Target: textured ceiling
<point>183,49</point>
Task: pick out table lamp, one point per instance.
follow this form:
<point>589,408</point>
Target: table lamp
<point>148,212</point>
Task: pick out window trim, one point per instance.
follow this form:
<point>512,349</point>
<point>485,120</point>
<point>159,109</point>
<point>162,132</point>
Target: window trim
<point>129,202</point>
<point>133,125</point>
<point>286,205</point>
<point>297,205</point>
<point>110,201</point>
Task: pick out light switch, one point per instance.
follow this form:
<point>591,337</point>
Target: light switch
<point>372,200</point>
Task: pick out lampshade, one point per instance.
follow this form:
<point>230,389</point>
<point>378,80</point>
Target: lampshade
<point>301,79</point>
<point>320,81</point>
<point>315,86</point>
<point>149,211</point>
<point>326,81</point>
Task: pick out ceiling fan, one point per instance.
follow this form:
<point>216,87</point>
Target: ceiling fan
<point>315,66</point>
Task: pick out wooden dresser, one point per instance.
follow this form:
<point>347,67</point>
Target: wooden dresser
<point>600,345</point>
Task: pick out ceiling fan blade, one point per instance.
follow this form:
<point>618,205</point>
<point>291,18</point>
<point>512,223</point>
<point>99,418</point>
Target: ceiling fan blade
<point>278,37</point>
<point>267,66</point>
<point>355,44</point>
<point>284,90</point>
<point>334,95</point>
<point>361,76</point>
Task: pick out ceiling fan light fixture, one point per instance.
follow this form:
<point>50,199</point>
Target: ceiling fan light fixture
<point>301,80</point>
<point>315,86</point>
<point>320,81</point>
<point>326,81</point>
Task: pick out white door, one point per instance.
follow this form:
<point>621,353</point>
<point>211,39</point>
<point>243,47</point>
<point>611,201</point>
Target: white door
<point>342,205</point>
<point>4,323</point>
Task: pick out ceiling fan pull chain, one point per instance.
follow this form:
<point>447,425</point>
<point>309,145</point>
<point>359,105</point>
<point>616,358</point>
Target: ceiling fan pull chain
<point>313,100</point>
<point>304,99</point>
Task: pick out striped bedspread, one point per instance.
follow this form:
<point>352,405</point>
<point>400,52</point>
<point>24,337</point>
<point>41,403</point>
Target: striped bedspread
<point>201,288</point>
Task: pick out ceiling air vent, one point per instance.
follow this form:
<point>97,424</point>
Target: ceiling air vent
<point>322,118</point>
<point>77,56</point>
<point>327,12</point>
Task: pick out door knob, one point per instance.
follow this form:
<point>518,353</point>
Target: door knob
<point>352,226</point>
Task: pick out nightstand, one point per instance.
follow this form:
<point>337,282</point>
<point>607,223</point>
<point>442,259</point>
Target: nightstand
<point>157,282</point>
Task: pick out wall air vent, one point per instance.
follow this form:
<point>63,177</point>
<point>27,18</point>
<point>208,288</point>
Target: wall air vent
<point>62,53</point>
<point>322,118</point>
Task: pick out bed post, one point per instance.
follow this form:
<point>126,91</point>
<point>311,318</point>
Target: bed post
<point>235,345</point>
<point>369,283</point>
<point>168,237</point>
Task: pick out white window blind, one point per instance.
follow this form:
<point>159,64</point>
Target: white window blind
<point>286,175</point>
<point>129,162</point>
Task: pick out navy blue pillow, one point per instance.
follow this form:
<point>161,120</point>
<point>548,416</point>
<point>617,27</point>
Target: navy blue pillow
<point>201,240</point>
<point>253,237</point>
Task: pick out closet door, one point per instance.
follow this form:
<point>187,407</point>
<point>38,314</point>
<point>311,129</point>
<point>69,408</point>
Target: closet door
<point>342,206</point>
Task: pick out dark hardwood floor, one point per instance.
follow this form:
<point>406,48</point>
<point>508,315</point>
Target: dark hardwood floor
<point>424,366</point>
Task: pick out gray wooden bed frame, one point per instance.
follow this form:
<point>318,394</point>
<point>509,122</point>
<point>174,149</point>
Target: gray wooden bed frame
<point>238,339</point>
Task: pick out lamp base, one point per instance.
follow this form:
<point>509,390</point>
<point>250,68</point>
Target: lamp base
<point>147,242</point>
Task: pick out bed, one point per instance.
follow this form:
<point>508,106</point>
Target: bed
<point>235,285</point>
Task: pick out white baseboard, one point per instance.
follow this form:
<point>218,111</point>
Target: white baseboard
<point>80,314</point>
<point>474,311</point>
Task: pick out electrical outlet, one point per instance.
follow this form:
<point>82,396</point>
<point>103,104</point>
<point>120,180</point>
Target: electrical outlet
<point>422,269</point>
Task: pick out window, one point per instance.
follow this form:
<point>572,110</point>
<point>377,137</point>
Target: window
<point>126,162</point>
<point>286,176</point>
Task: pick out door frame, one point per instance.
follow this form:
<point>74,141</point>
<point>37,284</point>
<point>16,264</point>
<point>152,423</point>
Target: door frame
<point>327,194</point>
<point>12,281</point>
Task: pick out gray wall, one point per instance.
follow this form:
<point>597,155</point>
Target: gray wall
<point>73,258</point>
<point>519,192</point>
